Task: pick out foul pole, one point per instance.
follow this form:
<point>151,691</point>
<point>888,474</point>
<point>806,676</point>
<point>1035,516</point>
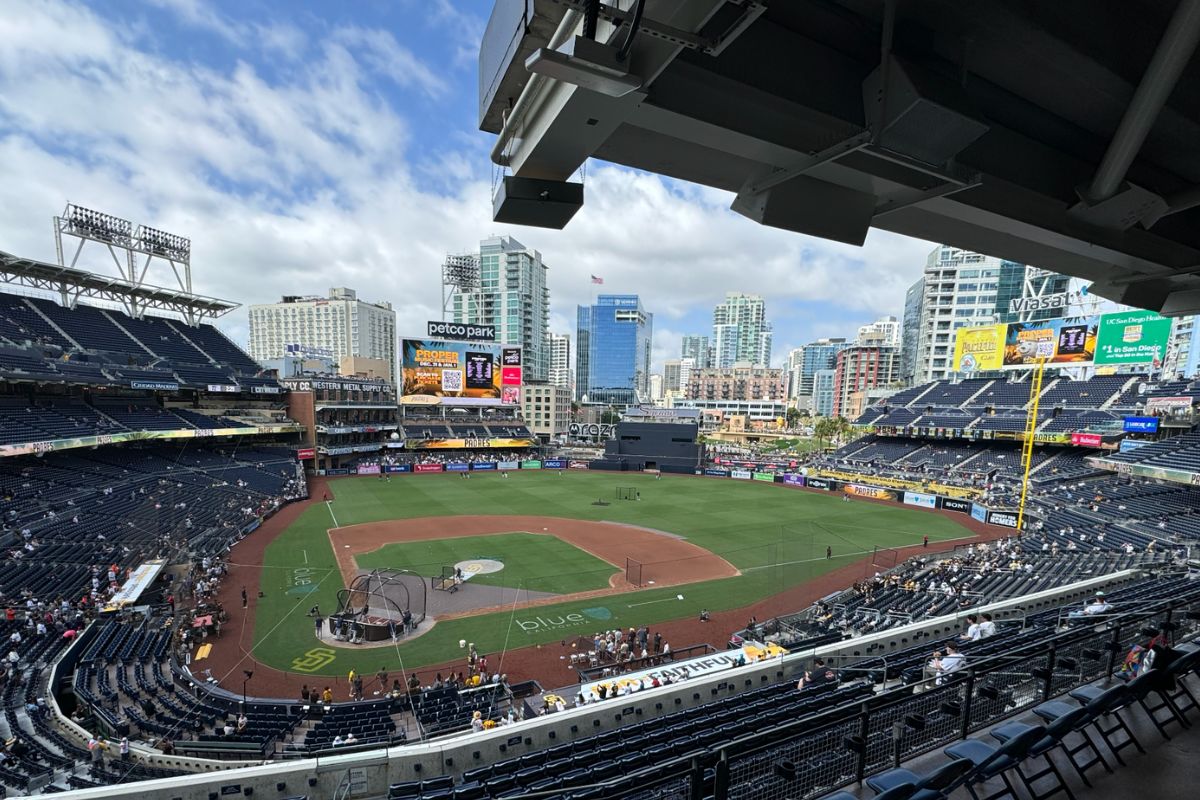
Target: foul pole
<point>1031,423</point>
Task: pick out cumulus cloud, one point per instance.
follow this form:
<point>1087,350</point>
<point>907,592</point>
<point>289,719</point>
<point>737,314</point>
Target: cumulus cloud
<point>296,180</point>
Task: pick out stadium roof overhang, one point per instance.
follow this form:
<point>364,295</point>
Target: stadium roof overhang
<point>72,284</point>
<point>1064,135</point>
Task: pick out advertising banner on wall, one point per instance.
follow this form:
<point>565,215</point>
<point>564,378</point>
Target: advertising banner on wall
<point>428,468</point>
<point>554,463</point>
<point>920,499</point>
<point>979,512</point>
<point>769,477</point>
<point>1132,444</point>
<point>1132,337</point>
<point>531,465</point>
<point>1005,519</point>
<point>305,453</point>
<point>1140,424</point>
<point>468,444</point>
<point>873,492</point>
<point>397,468</point>
<point>453,372</point>
<point>458,466</point>
<point>1066,342</point>
<point>979,348</point>
<point>741,474</point>
<point>818,483</point>
<point>368,469</point>
<point>578,464</point>
<point>716,472</point>
<point>954,504</point>
<point>1174,412</point>
<point>793,480</point>
<point>507,465</point>
<point>479,466</point>
<point>1086,439</point>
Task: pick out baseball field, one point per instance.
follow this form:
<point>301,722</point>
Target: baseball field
<point>564,558</point>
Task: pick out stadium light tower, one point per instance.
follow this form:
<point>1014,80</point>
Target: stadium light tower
<point>125,244</point>
<point>460,276</point>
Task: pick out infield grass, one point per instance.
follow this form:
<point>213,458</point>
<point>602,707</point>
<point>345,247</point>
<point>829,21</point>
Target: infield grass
<point>537,562</point>
<point>774,534</point>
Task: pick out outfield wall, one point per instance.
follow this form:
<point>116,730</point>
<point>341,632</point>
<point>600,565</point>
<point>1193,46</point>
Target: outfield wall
<point>372,771</point>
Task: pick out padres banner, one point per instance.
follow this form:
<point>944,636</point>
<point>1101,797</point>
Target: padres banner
<point>873,492</point>
<point>979,348</point>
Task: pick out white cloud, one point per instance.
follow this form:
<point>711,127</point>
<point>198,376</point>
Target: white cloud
<point>302,181</point>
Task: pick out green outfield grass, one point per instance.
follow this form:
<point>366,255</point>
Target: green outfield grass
<point>537,562</point>
<point>774,534</point>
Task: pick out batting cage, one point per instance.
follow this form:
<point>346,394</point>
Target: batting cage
<point>626,493</point>
<point>381,604</point>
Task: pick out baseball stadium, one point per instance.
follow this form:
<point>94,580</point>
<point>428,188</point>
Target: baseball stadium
<point>308,577</point>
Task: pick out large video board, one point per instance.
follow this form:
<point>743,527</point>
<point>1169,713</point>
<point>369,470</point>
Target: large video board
<point>437,371</point>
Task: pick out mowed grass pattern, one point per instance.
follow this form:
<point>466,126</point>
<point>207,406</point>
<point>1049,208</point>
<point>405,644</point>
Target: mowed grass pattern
<point>775,535</point>
<point>538,562</point>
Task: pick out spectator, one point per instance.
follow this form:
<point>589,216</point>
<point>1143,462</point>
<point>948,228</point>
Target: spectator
<point>1098,605</point>
<point>987,627</point>
<point>950,663</point>
<point>818,675</point>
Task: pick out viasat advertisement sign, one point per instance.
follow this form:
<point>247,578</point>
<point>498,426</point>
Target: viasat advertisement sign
<point>1070,341</point>
<point>979,348</point>
<point>1132,337</point>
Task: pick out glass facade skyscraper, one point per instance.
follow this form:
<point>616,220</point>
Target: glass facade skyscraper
<point>612,350</point>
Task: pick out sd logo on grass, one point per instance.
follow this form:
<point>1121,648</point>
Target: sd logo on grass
<point>314,659</point>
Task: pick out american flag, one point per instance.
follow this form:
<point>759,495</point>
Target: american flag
<point>597,280</point>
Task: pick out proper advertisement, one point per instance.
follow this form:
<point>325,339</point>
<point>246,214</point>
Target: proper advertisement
<point>455,372</point>
<point>920,499</point>
<point>1132,337</point>
<point>1067,342</point>
<point>872,492</point>
<point>979,348</point>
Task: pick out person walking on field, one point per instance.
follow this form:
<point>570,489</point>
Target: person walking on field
<point>925,541</point>
<point>828,551</point>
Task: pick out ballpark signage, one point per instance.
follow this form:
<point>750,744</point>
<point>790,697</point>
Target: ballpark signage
<point>1048,302</point>
<point>455,330</point>
<point>484,465</point>
<point>466,444</point>
<point>1141,424</point>
<point>741,474</point>
<point>554,463</point>
<point>428,468</point>
<point>158,386</point>
<point>305,453</point>
<point>458,466</point>
<point>818,483</point>
<point>793,480</point>
<point>979,512</point>
<point>979,348</point>
<point>593,430</point>
<point>872,492</point>
<point>459,373</point>
<point>1066,342</point>
<point>954,504</point>
<point>531,465</point>
<point>690,668</point>
<point>920,499</point>
<point>1086,439</point>
<point>716,472</point>
<point>1132,337</point>
<point>333,386</point>
<point>1005,519</point>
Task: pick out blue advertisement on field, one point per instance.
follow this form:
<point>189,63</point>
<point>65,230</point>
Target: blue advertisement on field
<point>483,465</point>
<point>920,499</point>
<point>1141,424</point>
<point>554,463</point>
<point>397,468</point>
<point>716,472</point>
<point>979,512</point>
<point>458,466</point>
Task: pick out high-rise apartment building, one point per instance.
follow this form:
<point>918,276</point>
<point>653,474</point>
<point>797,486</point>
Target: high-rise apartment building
<point>824,388</point>
<point>864,365</point>
<point>508,291</point>
<point>806,360</point>
<point>698,349</point>
<point>334,327</point>
<point>560,362</point>
<point>741,331</point>
<point>612,350</point>
<point>742,381</point>
<point>910,332</point>
<point>888,328</point>
<point>677,373</point>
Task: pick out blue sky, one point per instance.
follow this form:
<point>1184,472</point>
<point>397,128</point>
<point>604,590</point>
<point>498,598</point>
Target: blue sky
<point>304,145</point>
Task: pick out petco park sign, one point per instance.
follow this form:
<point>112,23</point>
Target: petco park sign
<point>456,330</point>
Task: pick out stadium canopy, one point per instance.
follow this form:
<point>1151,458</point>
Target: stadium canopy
<point>72,284</point>
<point>1061,134</point>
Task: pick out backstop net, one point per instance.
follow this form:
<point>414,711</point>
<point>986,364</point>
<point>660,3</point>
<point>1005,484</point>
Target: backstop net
<point>626,493</point>
<point>633,572</point>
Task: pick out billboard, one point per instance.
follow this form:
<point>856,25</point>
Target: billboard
<point>920,499</point>
<point>819,483</point>
<point>955,504</point>
<point>1141,424</point>
<point>979,512</point>
<point>459,373</point>
<point>741,474</point>
<point>793,480</point>
<point>716,472</point>
<point>1005,519</point>
<point>979,348</point>
<point>1132,337</point>
<point>873,492</point>
<point>1132,444</point>
<point>469,444</point>
<point>1066,342</point>
<point>1086,439</point>
<point>436,329</point>
<point>1174,412</point>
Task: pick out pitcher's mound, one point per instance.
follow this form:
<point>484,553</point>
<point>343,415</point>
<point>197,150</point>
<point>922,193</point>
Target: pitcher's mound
<point>479,566</point>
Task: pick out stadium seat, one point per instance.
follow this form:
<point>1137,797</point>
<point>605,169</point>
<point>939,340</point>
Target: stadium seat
<point>992,761</point>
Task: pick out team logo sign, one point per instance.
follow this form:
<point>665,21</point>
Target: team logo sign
<point>314,660</point>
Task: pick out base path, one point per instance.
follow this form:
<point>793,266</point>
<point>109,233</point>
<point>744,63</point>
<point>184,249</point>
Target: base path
<point>666,560</point>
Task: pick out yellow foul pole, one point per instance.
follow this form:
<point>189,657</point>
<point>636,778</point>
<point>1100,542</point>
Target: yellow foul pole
<point>1031,423</point>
